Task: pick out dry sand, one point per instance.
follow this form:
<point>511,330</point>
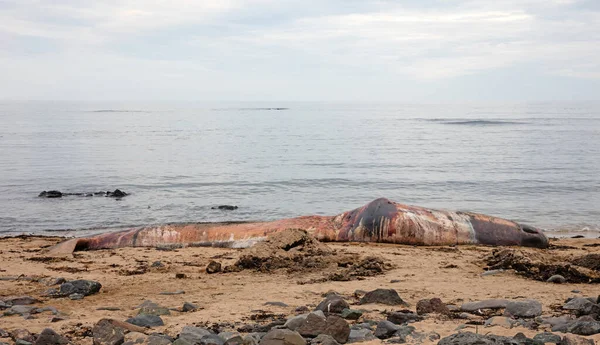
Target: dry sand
<point>452,274</point>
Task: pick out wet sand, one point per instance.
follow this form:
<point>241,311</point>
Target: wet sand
<point>453,274</point>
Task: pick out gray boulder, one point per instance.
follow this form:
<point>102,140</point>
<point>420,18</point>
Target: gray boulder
<point>386,329</point>
<point>282,337</point>
<point>382,296</point>
<point>49,337</point>
<point>333,304</point>
<point>400,317</point>
<point>146,320</point>
<point>105,333</point>
<point>525,309</point>
<point>575,340</point>
<point>84,287</point>
<point>323,339</point>
<point>468,338</point>
<point>193,334</point>
<point>333,325</point>
<point>487,304</point>
<point>547,338</point>
<point>360,335</point>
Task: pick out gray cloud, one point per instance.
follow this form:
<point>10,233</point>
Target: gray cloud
<point>297,50</point>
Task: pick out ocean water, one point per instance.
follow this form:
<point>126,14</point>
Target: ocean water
<point>535,163</point>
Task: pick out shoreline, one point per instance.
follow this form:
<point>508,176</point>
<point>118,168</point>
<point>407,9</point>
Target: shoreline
<point>232,301</point>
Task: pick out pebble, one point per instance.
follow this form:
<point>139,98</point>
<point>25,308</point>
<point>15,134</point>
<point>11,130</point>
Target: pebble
<point>193,334</point>
<point>212,339</point>
<point>400,318</point>
<point>487,304</point>
<point>213,267</point>
<point>547,337</point>
<point>575,340</point>
<point>360,335</point>
<point>180,276</point>
<point>169,293</point>
<point>382,296</point>
<point>333,304</point>
<point>81,286</point>
<point>491,272</point>
<point>151,308</point>
<point>188,307</point>
<point>282,337</point>
<point>105,333</point>
<point>500,321</point>
<point>351,314</point>
<point>556,279</point>
<point>76,296</point>
<point>386,329</point>
<point>49,337</point>
<point>333,325</point>
<point>433,305</point>
<point>526,308</point>
<point>147,320</point>
<point>324,339</point>
<point>277,304</point>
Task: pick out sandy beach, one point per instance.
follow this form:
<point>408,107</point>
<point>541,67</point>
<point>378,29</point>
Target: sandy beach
<point>229,301</point>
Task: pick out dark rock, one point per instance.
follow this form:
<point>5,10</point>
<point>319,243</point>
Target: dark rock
<point>57,319</point>
<point>147,320</point>
<point>500,321</point>
<point>526,309</point>
<point>487,304</point>
<point>172,293</point>
<point>22,334</point>
<point>351,314</point>
<point>193,334</point>
<point>468,338</point>
<point>232,338</point>
<point>575,340</point>
<point>547,337</point>
<point>556,279</point>
<point>277,304</point>
<point>225,207</point>
<point>105,333</point>
<point>180,276</point>
<point>293,323</point>
<point>360,335</point>
<point>401,317</point>
<point>301,309</point>
<point>386,329</point>
<point>23,342</point>
<point>400,337</point>
<point>4,334</point>
<point>151,308</point>
<point>116,194</point>
<point>434,305</point>
<point>49,337</point>
<point>282,337</point>
<point>3,305</point>
<point>324,339</point>
<point>581,327</point>
<point>212,339</point>
<point>84,287</point>
<point>23,300</point>
<point>581,306</point>
<point>382,296</point>
<point>333,304</point>
<point>157,264</point>
<point>50,194</point>
<point>188,307</point>
<point>213,267</point>
<point>333,325</point>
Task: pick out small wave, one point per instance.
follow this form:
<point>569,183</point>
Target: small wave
<point>245,109</point>
<point>118,111</point>
<point>475,122</point>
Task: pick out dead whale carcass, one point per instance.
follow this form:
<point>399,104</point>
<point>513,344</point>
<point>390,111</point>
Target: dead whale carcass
<point>378,221</point>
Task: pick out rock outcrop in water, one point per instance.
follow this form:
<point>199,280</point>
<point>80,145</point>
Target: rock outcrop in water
<point>117,193</point>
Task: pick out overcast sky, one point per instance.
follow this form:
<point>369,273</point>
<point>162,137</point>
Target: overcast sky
<point>360,50</point>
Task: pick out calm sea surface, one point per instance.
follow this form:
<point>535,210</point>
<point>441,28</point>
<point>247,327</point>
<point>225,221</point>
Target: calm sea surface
<point>536,163</point>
